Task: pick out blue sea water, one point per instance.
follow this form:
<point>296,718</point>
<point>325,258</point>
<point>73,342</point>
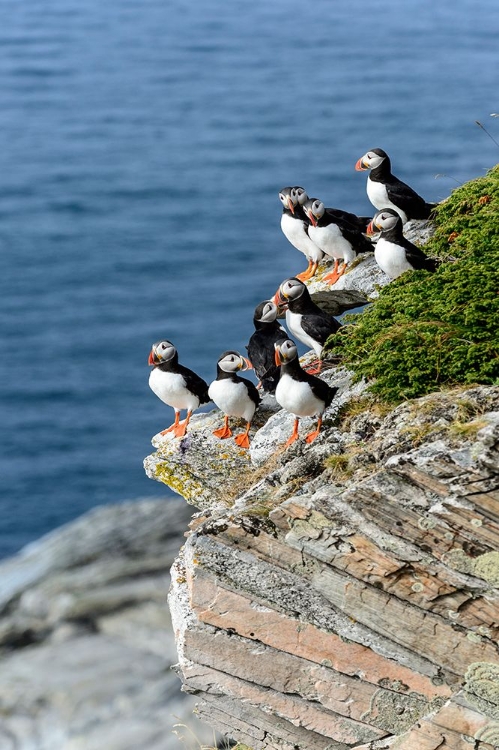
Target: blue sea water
<point>142,148</point>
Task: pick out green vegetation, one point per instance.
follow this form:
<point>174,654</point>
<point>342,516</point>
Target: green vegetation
<point>429,330</point>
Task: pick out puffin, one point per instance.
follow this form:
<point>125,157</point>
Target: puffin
<point>394,253</point>
<point>335,236</point>
<point>295,228</point>
<point>299,392</point>
<point>304,319</point>
<point>357,222</point>
<point>384,190</point>
<point>260,347</point>
<point>235,396</point>
<point>175,385</point>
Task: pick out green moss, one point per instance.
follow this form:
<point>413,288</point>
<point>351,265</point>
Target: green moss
<point>429,330</point>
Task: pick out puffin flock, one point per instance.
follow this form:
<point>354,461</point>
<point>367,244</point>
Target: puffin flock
<point>317,232</point>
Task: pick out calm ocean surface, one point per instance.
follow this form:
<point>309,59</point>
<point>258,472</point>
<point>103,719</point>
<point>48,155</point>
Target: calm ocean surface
<point>142,148</point>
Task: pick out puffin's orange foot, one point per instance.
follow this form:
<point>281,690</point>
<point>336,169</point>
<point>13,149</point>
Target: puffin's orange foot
<point>303,276</point>
<point>291,440</point>
<point>314,367</point>
<point>332,278</point>
<point>180,430</point>
<point>242,440</point>
<point>223,432</point>
<point>311,436</point>
<point>169,429</point>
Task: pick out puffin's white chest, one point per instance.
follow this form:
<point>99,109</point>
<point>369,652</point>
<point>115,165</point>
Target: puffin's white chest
<point>377,194</point>
<point>232,398</point>
<point>332,242</point>
<point>391,258</point>
<point>293,324</point>
<point>297,397</point>
<point>171,388</point>
<point>294,231</point>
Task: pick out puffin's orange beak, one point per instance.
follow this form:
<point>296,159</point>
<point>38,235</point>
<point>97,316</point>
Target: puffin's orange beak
<point>312,218</point>
<point>290,205</point>
<point>152,358</point>
<point>370,229</point>
<point>248,365</point>
<point>277,356</point>
<point>278,299</point>
<point>360,166</point>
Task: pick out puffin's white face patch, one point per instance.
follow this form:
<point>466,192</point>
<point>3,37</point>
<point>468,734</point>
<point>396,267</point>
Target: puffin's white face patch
<point>373,160</point>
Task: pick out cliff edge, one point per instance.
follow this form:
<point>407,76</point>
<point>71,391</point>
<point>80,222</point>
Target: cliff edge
<point>344,594</point>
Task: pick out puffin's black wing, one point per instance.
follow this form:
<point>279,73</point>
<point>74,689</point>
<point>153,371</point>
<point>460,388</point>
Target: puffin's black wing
<point>321,389</point>
<point>358,222</point>
<point>320,327</point>
<point>417,258</point>
<point>355,237</point>
<point>252,390</point>
<point>261,354</point>
<point>195,384</point>
<point>405,198</point>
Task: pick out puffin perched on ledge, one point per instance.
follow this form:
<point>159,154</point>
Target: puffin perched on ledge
<point>299,392</point>
<point>260,347</point>
<point>235,396</point>
<point>384,190</point>
<point>394,253</point>
<point>175,385</point>
<point>337,237</point>
<point>294,225</point>
<point>304,319</point>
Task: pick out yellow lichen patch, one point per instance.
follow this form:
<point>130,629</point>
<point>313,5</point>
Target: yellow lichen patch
<point>484,566</point>
<point>482,687</point>
<point>180,481</point>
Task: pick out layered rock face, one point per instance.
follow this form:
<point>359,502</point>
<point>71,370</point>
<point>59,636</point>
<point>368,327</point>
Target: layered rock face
<point>344,594</point>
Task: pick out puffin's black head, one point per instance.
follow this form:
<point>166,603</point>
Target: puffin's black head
<point>232,361</point>
<point>372,159</point>
<point>290,289</point>
<point>300,194</point>
<point>314,209</point>
<point>383,221</point>
<point>285,351</point>
<point>162,351</point>
<point>288,199</point>
<point>265,312</point>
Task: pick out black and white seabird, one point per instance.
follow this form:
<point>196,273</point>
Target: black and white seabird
<point>337,237</point>
<point>384,190</point>
<point>299,392</point>
<point>304,319</point>
<point>394,253</point>
<point>235,396</point>
<point>175,385</point>
<point>294,225</point>
<point>358,222</point>
<point>260,347</point>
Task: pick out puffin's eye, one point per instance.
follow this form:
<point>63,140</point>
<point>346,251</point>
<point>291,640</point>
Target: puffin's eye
<point>163,346</point>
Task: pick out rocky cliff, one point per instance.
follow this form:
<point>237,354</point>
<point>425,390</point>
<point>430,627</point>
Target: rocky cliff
<point>343,594</point>
<point>85,635</point>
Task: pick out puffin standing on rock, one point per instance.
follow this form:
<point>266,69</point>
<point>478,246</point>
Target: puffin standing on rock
<point>304,319</point>
<point>299,392</point>
<point>384,190</point>
<point>260,347</point>
<point>235,396</point>
<point>335,236</point>
<point>394,253</point>
<point>294,226</point>
<point>175,385</point>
